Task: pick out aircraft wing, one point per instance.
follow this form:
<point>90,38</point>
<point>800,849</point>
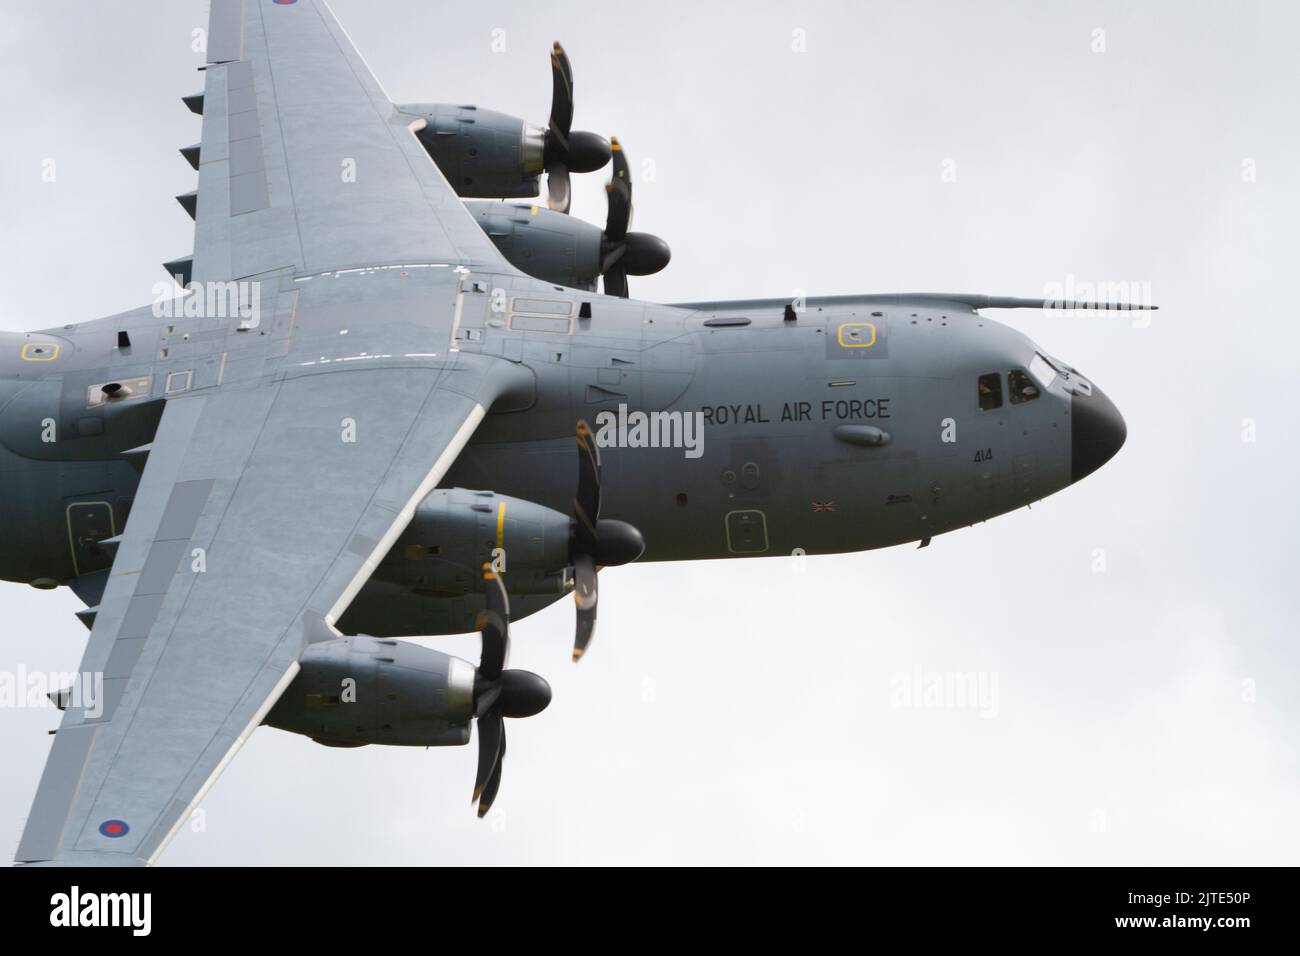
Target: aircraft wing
<point>254,526</point>
<point>275,484</point>
<point>304,163</point>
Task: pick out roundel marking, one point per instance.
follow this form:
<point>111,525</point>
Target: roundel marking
<point>114,828</point>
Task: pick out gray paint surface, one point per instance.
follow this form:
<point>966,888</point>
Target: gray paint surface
<point>1022,533</point>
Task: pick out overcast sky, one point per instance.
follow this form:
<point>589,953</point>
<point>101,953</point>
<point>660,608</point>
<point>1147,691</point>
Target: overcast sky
<point>744,711</point>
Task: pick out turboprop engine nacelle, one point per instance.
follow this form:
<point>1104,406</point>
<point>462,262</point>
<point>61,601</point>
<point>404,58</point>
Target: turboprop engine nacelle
<point>360,690</point>
<point>455,532</point>
<point>547,245</point>
<point>565,250</point>
<point>481,152</point>
<point>490,154</point>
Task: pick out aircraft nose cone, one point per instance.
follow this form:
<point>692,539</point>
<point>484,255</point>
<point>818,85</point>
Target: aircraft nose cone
<point>1097,432</point>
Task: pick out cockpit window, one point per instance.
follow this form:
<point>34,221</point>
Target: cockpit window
<point>990,389</point>
<point>1021,386</point>
<point>1042,370</point>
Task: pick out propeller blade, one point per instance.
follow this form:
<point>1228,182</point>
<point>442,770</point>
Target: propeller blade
<point>584,582</point>
<point>616,282</point>
<point>619,196</point>
<point>586,538</point>
<point>494,625</point>
<point>586,592</point>
<point>495,646</point>
<point>558,195</point>
<point>491,745</point>
<point>621,170</point>
<point>618,218</point>
<point>497,599</point>
<point>586,504</point>
<point>494,781</point>
<point>613,255</point>
<point>485,698</point>
<point>586,631</point>
<point>561,94</point>
<point>567,150</point>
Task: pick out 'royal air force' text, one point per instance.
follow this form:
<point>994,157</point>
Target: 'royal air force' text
<point>829,409</point>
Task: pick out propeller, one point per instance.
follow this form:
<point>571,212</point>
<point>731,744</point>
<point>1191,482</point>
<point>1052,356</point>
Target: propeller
<point>567,150</point>
<point>594,542</point>
<point>499,693</point>
<point>624,253</point>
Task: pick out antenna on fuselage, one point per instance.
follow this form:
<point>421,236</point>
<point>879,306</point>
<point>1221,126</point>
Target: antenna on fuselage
<point>1014,302</point>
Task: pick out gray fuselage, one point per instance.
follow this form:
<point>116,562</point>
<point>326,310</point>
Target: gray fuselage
<point>848,424</point>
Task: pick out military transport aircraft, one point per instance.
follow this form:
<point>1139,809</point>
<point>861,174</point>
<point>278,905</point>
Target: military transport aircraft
<point>378,411</point>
